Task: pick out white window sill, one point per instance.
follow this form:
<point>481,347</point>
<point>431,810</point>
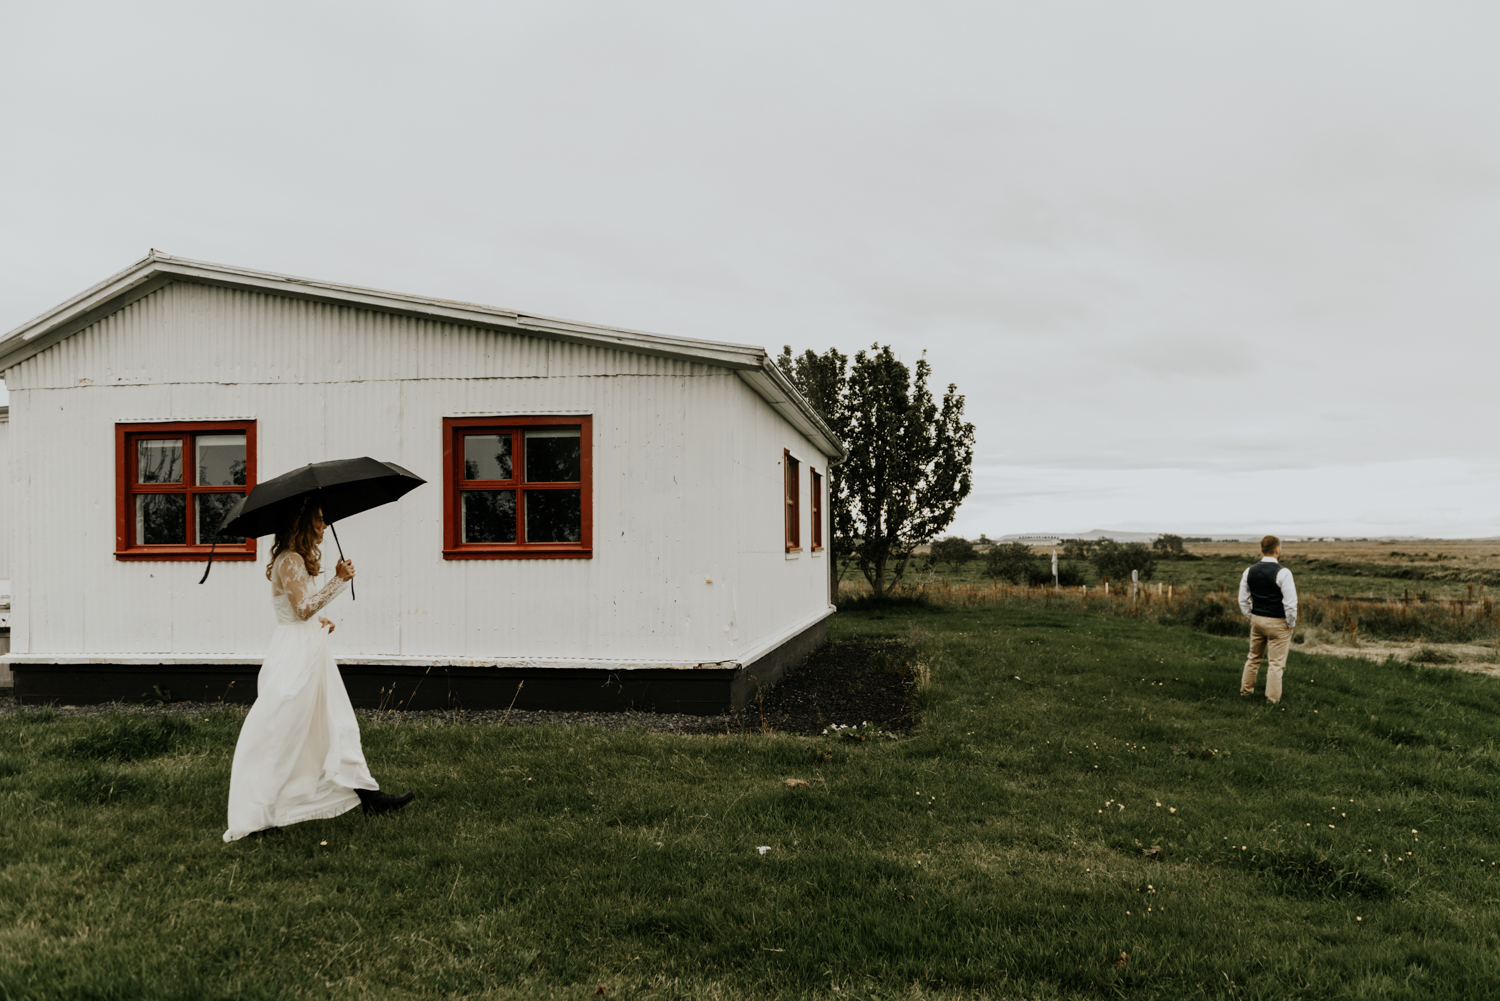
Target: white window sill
<point>817,553</point>
<point>797,555</point>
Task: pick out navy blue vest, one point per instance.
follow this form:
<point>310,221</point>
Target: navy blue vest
<point>1265,596</point>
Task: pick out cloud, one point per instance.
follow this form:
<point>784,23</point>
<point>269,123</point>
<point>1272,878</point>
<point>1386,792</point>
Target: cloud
<point>1224,242</point>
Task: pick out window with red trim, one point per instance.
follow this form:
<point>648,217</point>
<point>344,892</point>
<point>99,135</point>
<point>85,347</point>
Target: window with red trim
<point>174,482</point>
<point>516,487</point>
<point>815,495</point>
<point>793,503</point>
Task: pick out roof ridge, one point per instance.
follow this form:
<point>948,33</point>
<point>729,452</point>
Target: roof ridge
<point>158,269</point>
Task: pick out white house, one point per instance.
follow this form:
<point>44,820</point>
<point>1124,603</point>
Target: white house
<point>5,508</point>
<point>610,517</point>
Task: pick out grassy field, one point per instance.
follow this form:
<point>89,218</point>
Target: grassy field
<point>1087,810</point>
<point>1435,570</point>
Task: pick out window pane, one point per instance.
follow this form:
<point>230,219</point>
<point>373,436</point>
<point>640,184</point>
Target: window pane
<point>221,460</point>
<point>160,519</point>
<point>553,515</point>
<point>552,456</point>
<point>487,457</point>
<point>211,509</point>
<point>159,460</point>
<point>488,516</point>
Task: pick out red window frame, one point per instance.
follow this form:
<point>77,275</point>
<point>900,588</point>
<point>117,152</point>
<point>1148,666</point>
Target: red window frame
<point>454,430</point>
<point>127,489</point>
<point>815,496</point>
<point>793,481</point>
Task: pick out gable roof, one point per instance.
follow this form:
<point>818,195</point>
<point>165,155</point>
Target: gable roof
<point>156,270</point>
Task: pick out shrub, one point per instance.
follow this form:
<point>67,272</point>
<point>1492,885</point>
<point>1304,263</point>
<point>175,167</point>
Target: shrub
<point>1216,620</point>
<point>953,551</point>
<point>1070,575</point>
<point>1116,560</point>
<point>869,601</point>
<point>1077,549</point>
<point>1038,574</point>
<point>1010,561</point>
<point>1434,622</point>
<point>1207,616</point>
<point>1168,543</point>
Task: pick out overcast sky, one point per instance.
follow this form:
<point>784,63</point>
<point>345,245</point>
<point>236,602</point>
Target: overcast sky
<point>1195,267</point>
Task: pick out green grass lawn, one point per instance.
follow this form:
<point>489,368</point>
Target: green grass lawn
<point>999,852</point>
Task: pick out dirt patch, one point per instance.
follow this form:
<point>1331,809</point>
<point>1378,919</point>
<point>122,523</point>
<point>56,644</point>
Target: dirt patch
<point>1476,658</point>
<point>847,682</point>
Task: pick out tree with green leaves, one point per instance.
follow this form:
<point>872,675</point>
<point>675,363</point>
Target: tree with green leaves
<point>1169,544</point>
<point>1077,549</point>
<point>1115,560</point>
<point>910,456</point>
<point>953,551</point>
<point>1010,561</point>
<point>909,462</point>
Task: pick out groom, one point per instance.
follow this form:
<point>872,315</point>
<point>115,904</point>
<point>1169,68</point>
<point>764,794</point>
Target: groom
<point>1269,598</point>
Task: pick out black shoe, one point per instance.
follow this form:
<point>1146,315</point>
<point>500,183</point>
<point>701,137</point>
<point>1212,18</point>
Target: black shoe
<point>382,802</point>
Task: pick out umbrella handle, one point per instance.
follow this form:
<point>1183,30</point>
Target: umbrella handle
<point>341,555</point>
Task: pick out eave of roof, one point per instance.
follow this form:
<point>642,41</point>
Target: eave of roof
<point>156,270</point>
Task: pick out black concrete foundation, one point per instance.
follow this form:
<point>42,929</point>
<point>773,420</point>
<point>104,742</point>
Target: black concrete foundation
<point>699,692</point>
<point>753,679</point>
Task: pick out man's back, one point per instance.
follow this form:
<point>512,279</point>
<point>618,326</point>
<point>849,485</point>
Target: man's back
<point>1269,599</point>
<point>1265,594</point>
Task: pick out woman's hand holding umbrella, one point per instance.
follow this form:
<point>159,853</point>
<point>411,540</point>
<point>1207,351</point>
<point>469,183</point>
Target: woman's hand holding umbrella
<point>341,487</point>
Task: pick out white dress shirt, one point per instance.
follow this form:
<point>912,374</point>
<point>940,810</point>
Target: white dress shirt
<point>1283,581</point>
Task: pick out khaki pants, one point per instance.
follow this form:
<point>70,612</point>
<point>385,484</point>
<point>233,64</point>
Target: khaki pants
<point>1278,635</point>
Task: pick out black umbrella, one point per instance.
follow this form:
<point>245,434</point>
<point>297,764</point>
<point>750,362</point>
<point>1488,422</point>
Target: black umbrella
<point>342,487</point>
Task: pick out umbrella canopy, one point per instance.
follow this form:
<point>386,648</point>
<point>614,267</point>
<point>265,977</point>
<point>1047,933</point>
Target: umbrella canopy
<point>341,487</point>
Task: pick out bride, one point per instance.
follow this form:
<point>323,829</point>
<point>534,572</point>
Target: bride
<point>298,756</point>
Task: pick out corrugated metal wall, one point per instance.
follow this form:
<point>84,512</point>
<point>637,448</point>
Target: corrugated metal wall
<point>688,562</point>
<point>228,336</point>
<point>7,505</point>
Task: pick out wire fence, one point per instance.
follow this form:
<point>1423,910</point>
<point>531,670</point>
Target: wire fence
<point>1212,611</point>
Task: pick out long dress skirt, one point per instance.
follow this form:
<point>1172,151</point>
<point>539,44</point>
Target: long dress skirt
<point>298,756</point>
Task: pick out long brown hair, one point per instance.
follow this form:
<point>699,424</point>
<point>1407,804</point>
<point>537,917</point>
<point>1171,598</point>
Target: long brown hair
<point>299,535</point>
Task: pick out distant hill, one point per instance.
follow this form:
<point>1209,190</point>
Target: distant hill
<point>1043,538</point>
<point>1047,538</point>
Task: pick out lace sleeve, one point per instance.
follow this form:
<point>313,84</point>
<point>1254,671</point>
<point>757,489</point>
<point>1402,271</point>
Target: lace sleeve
<point>291,575</point>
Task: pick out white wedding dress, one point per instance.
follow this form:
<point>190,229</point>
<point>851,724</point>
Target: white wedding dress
<point>298,756</point>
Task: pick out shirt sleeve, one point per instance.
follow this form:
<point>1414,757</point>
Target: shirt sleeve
<point>1288,596</point>
<point>294,580</point>
<point>1245,604</point>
